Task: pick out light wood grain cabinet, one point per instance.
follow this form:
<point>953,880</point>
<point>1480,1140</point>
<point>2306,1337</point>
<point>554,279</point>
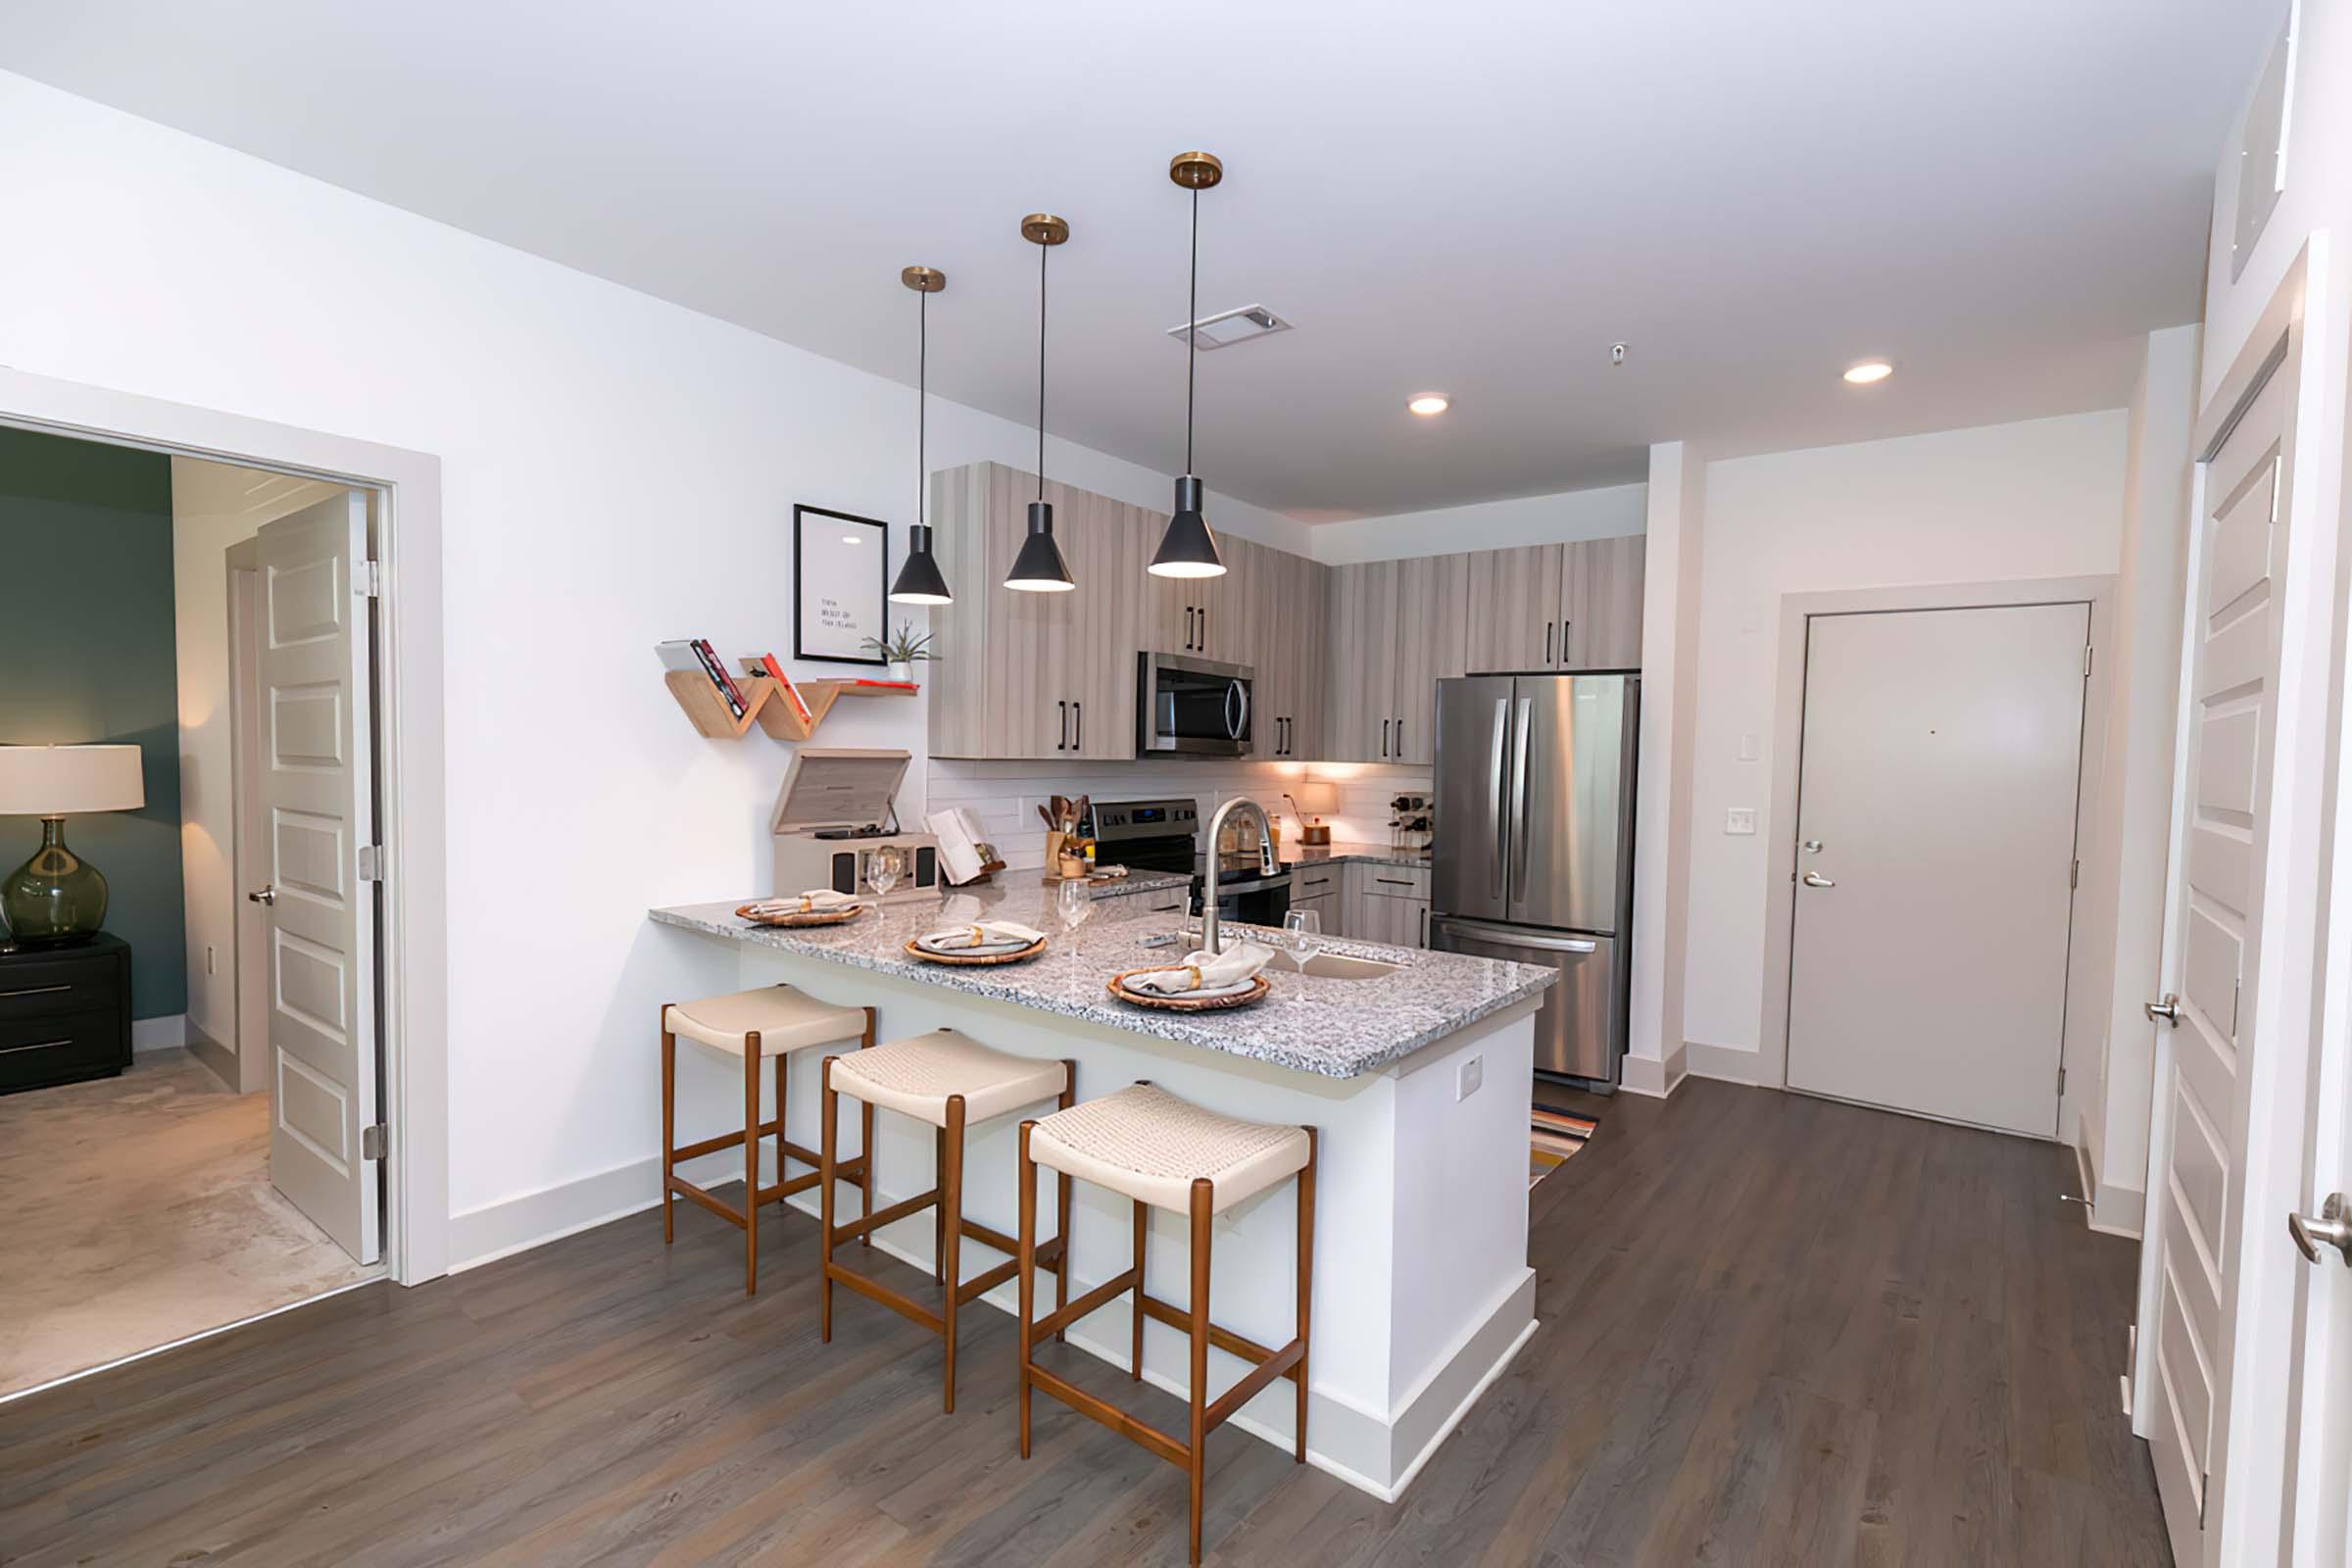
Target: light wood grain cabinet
<point>1289,613</point>
<point>1557,606</point>
<point>1207,617</point>
<point>1385,903</point>
<point>1397,627</point>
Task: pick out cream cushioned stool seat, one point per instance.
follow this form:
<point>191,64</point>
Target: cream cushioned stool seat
<point>1152,1146</point>
<point>785,1020</point>
<point>917,1076</point>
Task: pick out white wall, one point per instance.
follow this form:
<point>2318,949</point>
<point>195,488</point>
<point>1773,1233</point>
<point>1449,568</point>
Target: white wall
<point>214,506</point>
<point>2037,499</point>
<point>616,471</point>
<point>1607,514</point>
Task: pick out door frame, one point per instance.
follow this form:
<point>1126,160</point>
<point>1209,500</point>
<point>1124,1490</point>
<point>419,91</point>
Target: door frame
<point>2249,1491</point>
<point>255,1070</point>
<point>411,768</point>
<point>2085,1008</point>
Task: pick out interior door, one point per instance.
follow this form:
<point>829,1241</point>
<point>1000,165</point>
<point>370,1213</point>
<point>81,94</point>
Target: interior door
<point>317,798</point>
<point>2216,925</point>
<point>1936,811</point>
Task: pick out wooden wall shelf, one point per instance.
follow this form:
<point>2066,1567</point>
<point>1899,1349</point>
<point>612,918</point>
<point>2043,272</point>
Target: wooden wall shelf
<point>766,703</point>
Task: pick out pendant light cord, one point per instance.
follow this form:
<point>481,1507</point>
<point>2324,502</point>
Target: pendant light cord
<point>922,392</point>
<point>1042,252</point>
<point>1192,333</point>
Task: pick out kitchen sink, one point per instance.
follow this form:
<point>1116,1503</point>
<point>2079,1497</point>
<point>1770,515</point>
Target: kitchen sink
<point>1335,966</point>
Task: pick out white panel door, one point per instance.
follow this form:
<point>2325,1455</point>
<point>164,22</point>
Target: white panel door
<point>1942,755</point>
<point>2197,1201</point>
<point>318,809</point>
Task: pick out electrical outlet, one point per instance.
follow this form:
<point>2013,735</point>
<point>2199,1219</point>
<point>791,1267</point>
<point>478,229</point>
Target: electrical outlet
<point>1468,1076</point>
<point>1739,819</point>
<point>209,966</point>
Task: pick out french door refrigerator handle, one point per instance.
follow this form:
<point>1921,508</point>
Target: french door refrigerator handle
<point>1519,791</point>
<point>1510,936</point>
<point>1500,851</point>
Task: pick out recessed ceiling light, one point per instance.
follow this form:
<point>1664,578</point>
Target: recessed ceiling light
<point>1426,404</point>
<point>1869,371</point>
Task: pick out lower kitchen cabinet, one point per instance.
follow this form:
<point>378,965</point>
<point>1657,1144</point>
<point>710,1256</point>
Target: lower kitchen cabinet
<point>1385,903</point>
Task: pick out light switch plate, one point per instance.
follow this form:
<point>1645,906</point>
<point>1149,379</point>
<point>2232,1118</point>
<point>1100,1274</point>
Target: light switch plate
<point>1739,819</point>
<point>1751,746</point>
<point>1468,1076</point>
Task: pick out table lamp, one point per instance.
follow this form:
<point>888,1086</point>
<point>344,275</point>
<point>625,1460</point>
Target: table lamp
<point>1313,797</point>
<point>57,897</point>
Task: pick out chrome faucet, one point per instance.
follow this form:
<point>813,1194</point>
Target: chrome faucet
<point>1216,834</point>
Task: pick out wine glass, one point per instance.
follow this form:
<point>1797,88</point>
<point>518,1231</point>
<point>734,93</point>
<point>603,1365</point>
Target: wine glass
<point>1075,901</point>
<point>883,868</point>
<point>1303,933</point>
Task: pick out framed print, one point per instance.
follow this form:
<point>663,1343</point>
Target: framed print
<point>840,577</point>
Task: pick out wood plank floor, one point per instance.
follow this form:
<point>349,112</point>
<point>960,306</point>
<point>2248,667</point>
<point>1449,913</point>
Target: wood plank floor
<point>1775,1330</point>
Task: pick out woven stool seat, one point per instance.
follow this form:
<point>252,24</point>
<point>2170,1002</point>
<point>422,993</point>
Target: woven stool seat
<point>917,1076</point>
<point>1152,1146</point>
<point>785,1020</point>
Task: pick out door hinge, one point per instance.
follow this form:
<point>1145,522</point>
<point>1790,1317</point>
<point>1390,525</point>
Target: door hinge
<point>2204,1490</point>
<point>372,862</point>
<point>2074,874</point>
<point>372,1142</point>
<point>2087,660</point>
<point>368,579</point>
<point>2062,1083</point>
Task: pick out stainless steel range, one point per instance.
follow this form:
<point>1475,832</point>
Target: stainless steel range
<point>1164,835</point>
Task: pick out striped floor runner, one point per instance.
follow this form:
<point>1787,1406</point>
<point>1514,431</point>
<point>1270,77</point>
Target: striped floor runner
<point>1552,1137</point>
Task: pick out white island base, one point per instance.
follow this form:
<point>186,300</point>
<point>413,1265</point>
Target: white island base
<point>1423,1292</point>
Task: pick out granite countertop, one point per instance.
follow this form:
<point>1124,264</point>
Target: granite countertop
<point>1116,887</point>
<point>1332,1028</point>
<point>1340,852</point>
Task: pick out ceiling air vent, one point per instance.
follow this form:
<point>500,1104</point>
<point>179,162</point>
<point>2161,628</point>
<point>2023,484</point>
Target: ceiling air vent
<point>1228,327</point>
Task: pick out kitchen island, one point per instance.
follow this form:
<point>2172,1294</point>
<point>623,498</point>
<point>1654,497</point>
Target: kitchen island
<point>1417,1077</point>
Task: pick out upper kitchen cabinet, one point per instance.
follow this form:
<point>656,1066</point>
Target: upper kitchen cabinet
<point>1023,674</point>
<point>1397,627</point>
<point>1206,617</point>
<point>1557,607</point>
<point>1289,614</point>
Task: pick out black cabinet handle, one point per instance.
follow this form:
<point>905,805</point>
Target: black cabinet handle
<point>1078,728</point>
<point>1063,744</point>
<point>1400,737</point>
<point>1549,627</point>
<point>1205,628</point>
<point>1384,737</point>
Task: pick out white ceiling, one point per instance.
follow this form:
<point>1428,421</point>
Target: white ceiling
<point>1996,194</point>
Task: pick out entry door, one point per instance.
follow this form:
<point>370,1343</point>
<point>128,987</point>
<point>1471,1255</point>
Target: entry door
<point>1937,782</point>
<point>2214,930</point>
<point>317,799</point>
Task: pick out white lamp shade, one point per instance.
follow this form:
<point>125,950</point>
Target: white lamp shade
<point>59,780</point>
<point>1315,797</point>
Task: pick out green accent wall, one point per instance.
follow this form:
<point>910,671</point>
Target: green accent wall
<point>86,655</point>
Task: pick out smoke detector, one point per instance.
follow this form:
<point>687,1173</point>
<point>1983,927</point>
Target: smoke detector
<point>1228,327</point>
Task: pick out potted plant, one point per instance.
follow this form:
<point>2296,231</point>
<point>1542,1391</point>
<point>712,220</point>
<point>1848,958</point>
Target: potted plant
<point>903,651</point>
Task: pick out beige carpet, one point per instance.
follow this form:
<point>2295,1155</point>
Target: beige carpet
<point>138,1210</point>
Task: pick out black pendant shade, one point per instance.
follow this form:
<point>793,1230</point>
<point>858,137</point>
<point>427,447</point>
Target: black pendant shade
<point>1188,548</point>
<point>919,581</point>
<point>1038,569</point>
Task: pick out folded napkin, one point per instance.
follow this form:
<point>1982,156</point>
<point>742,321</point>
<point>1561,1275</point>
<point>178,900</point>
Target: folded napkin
<point>1204,971</point>
<point>816,901</point>
<point>981,934</point>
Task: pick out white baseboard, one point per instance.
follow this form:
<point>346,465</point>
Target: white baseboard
<point>1648,1075</point>
<point>2113,1211</point>
<point>1725,1063</point>
<point>167,1033</point>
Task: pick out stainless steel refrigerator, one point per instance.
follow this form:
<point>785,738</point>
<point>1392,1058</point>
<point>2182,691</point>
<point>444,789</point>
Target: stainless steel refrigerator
<point>1534,857</point>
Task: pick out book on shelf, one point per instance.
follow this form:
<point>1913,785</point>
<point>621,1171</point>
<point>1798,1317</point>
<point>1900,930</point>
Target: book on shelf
<point>692,655</point>
<point>765,664</point>
<point>718,673</point>
<point>889,685</point>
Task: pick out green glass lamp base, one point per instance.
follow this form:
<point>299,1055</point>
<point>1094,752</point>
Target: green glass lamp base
<point>56,898</point>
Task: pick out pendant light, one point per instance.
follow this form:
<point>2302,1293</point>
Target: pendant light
<point>1188,548</point>
<point>919,580</point>
<point>1038,569</point>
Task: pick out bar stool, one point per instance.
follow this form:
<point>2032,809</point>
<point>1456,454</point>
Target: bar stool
<point>950,1081</point>
<point>1167,1153</point>
<point>770,1023</point>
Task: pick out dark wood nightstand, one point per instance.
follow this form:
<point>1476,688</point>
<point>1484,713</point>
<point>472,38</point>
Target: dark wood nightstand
<point>65,1012</point>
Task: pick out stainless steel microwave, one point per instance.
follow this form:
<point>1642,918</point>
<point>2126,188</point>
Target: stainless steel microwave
<point>1187,706</point>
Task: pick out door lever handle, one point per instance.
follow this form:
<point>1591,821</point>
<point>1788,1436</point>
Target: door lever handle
<point>1814,879</point>
<point>2167,1010</point>
<point>2334,1228</point>
<point>268,894</point>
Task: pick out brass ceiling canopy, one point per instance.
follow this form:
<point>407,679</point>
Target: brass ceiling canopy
<point>1043,229</point>
<point>1195,171</point>
<point>923,279</point>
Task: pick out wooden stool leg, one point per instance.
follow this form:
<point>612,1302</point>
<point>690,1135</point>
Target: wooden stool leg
<point>751,1163</point>
<point>1143,1225</point>
<point>951,1208</point>
<point>865,1141</point>
<point>1027,1255</point>
<point>783,1166</point>
<point>939,1214</point>
<point>1307,1281</point>
<point>1062,1195</point>
<point>826,1104</point>
<point>1204,1191</point>
<point>669,1128</point>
